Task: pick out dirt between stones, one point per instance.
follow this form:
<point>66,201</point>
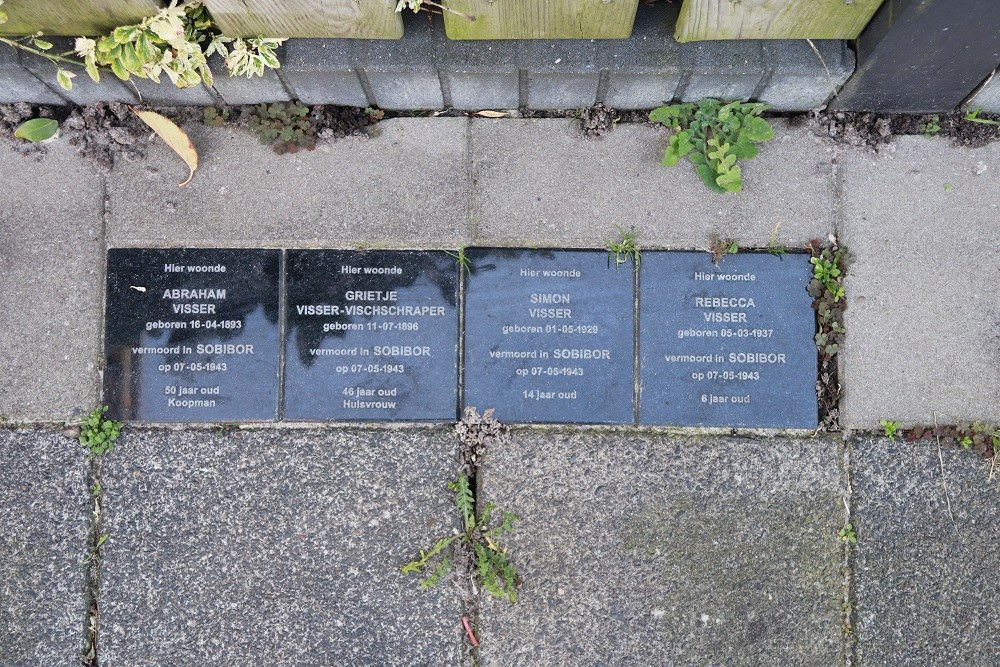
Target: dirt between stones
<point>104,132</point>
<point>865,129</point>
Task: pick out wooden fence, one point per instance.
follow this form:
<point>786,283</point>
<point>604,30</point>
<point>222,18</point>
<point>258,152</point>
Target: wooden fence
<point>494,19</point>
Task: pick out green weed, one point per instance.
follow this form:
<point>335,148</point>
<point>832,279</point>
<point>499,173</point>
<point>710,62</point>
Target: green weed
<point>284,126</point>
<point>494,568</point>
<point>973,117</point>
<point>714,137</point>
<point>625,249</point>
<point>98,434</point>
<point>891,428</point>
<point>462,260</point>
<point>931,127</point>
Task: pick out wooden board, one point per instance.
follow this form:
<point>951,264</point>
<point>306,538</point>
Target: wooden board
<point>923,56</point>
<point>541,19</point>
<point>73,17</point>
<point>773,19</point>
<point>359,19</point>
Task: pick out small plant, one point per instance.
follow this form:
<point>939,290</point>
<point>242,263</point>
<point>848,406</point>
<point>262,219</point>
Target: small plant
<point>931,127</point>
<point>95,490</point>
<point>772,245</point>
<point>285,126</point>
<point>98,434</point>
<point>720,247</point>
<point>625,249</point>
<point>826,269</point>
<point>462,260</point>
<point>714,136</point>
<point>827,289</point>
<point>214,117</point>
<point>980,437</point>
<point>497,574</point>
<point>973,117</point>
<point>891,428</point>
<point>95,552</point>
<point>416,5</point>
<point>847,534</point>
<point>177,41</point>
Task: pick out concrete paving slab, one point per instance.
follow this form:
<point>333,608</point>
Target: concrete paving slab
<point>538,182</point>
<point>51,261</point>
<point>276,547</point>
<point>923,317</point>
<point>926,586</point>
<point>44,531</point>
<point>406,187</point>
<point>640,549</point>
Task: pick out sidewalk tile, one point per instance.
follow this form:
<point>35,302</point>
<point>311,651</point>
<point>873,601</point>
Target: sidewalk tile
<point>923,317</point>
<point>539,182</point>
<point>50,295</point>
<point>654,550</point>
<point>926,585</point>
<point>276,546</point>
<point>44,530</point>
<point>407,187</point>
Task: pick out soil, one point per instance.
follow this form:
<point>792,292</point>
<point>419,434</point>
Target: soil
<point>876,131</point>
<point>99,132</point>
<point>104,132</point>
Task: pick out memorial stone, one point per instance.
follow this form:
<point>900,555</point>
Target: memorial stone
<point>192,335</point>
<point>549,336</point>
<point>728,345</point>
<point>371,336</point>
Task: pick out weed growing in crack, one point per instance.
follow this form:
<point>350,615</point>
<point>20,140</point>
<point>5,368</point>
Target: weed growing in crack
<point>714,136</point>
<point>721,247</point>
<point>979,437</point>
<point>98,434</point>
<point>462,260</point>
<point>496,572</point>
<point>772,245</point>
<point>284,126</point>
<point>890,428</point>
<point>475,551</point>
<point>973,117</point>
<point>932,126</point>
<point>847,534</point>
<point>625,249</point>
<point>827,289</point>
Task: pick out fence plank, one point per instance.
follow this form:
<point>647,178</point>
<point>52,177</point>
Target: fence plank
<point>73,17</point>
<point>923,56</point>
<point>541,19</point>
<point>359,19</point>
<point>773,19</point>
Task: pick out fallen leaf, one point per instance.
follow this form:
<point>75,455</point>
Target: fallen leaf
<point>37,129</point>
<point>173,136</point>
<point>491,114</point>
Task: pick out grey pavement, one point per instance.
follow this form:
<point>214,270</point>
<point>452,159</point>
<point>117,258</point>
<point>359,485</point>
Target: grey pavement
<point>923,317</point>
<point>51,263</point>
<point>550,186</point>
<point>926,586</point>
<point>44,537</point>
<point>635,545</point>
<point>405,188</point>
<point>652,550</point>
<point>276,547</point>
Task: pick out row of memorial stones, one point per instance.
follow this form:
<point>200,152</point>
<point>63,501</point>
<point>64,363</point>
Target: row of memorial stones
<point>549,336</point>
